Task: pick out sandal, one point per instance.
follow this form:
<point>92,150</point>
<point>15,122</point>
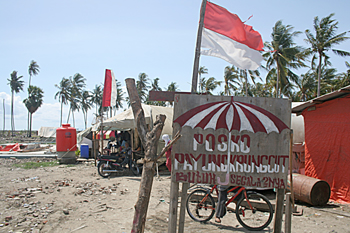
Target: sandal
<point>217,220</point>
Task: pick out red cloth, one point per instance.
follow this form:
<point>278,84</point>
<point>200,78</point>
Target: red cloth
<point>168,159</point>
<point>327,145</point>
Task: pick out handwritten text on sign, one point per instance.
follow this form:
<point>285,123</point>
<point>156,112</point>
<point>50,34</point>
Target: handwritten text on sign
<point>215,155</point>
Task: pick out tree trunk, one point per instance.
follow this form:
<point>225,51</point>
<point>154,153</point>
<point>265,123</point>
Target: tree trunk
<point>61,114</point>
<point>149,140</point>
<point>12,120</point>
<point>68,115</point>
<point>30,124</point>
<point>278,79</point>
<point>319,75</point>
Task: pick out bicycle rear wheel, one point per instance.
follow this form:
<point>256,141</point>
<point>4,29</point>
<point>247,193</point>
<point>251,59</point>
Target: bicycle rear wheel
<point>200,205</point>
<point>259,216</point>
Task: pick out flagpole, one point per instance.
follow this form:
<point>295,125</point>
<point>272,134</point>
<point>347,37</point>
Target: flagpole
<point>198,47</point>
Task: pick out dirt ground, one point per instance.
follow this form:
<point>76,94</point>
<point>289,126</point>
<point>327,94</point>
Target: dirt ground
<point>74,198</point>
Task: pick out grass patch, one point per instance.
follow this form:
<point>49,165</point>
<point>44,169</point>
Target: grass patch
<point>33,165</point>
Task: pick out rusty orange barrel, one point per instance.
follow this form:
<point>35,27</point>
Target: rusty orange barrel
<point>311,190</point>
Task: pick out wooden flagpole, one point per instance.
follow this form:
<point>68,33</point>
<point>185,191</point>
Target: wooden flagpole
<point>101,133</point>
<point>174,189</point>
<point>198,47</point>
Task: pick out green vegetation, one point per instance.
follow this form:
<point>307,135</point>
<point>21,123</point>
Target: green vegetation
<point>34,165</point>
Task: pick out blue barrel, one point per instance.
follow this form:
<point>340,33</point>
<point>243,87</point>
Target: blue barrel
<point>84,151</point>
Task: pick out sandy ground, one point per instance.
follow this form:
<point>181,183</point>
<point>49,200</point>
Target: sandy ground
<point>75,199</point>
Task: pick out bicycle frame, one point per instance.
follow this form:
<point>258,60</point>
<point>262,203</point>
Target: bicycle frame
<point>240,189</point>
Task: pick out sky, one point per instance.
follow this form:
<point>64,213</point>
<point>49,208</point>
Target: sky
<point>155,37</point>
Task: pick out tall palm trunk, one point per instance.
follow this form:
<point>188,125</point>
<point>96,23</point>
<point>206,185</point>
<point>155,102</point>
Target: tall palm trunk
<point>68,115</point>
<point>85,120</point>
<point>12,120</point>
<point>30,124</point>
<point>73,119</point>
<point>61,113</point>
<point>319,75</point>
<point>28,115</point>
<point>278,79</point>
<point>246,82</point>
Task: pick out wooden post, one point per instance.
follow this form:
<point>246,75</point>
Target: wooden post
<point>288,215</point>
<point>198,47</point>
<point>149,140</point>
<point>183,207</point>
<point>278,211</point>
<point>174,197</point>
<point>291,166</point>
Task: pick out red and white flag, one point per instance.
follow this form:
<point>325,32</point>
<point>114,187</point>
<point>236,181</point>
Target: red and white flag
<point>109,90</point>
<point>227,37</point>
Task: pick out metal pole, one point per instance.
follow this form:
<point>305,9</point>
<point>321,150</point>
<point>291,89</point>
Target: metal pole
<point>198,47</point>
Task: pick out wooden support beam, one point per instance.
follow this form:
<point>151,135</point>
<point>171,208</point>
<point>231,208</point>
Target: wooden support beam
<point>183,204</point>
<point>288,214</point>
<point>278,211</point>
<point>149,139</point>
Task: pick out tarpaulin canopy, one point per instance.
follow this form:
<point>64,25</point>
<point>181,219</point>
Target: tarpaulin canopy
<point>327,142</point>
<point>125,120</point>
<point>47,132</point>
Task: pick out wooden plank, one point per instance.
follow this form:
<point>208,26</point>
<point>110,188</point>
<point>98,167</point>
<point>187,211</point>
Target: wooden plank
<point>278,211</point>
<point>174,195</point>
<point>288,214</point>
<point>183,207</point>
<point>164,95</point>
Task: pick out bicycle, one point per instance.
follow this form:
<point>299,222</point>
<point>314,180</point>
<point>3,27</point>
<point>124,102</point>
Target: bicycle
<point>253,210</point>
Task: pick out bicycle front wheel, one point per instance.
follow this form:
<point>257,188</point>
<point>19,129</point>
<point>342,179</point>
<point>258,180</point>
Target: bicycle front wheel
<point>254,212</point>
<point>200,205</point>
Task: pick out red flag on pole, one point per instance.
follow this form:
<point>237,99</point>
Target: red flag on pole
<point>227,37</point>
<point>109,90</point>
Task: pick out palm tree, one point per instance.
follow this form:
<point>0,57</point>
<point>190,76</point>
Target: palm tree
<point>63,94</point>
<point>202,70</point>
<point>16,85</point>
<point>120,96</point>
<point>33,69</point>
<point>142,86</point>
<point>306,86</point>
<point>33,102</point>
<point>261,90</point>
<point>155,85</point>
<point>323,41</point>
<point>77,84</point>
<point>97,94</point>
<point>248,74</point>
<point>85,104</point>
<point>230,78</point>
<point>285,55</point>
<point>344,78</point>
<point>210,85</point>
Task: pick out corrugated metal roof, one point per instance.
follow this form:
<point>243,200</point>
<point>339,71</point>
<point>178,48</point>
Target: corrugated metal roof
<point>333,95</point>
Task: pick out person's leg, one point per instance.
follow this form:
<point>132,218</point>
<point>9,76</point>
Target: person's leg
<point>220,210</point>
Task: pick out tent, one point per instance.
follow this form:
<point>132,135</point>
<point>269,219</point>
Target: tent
<point>125,120</point>
<point>327,137</point>
<point>47,132</point>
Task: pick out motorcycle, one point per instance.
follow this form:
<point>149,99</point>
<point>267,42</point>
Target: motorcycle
<point>108,164</point>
